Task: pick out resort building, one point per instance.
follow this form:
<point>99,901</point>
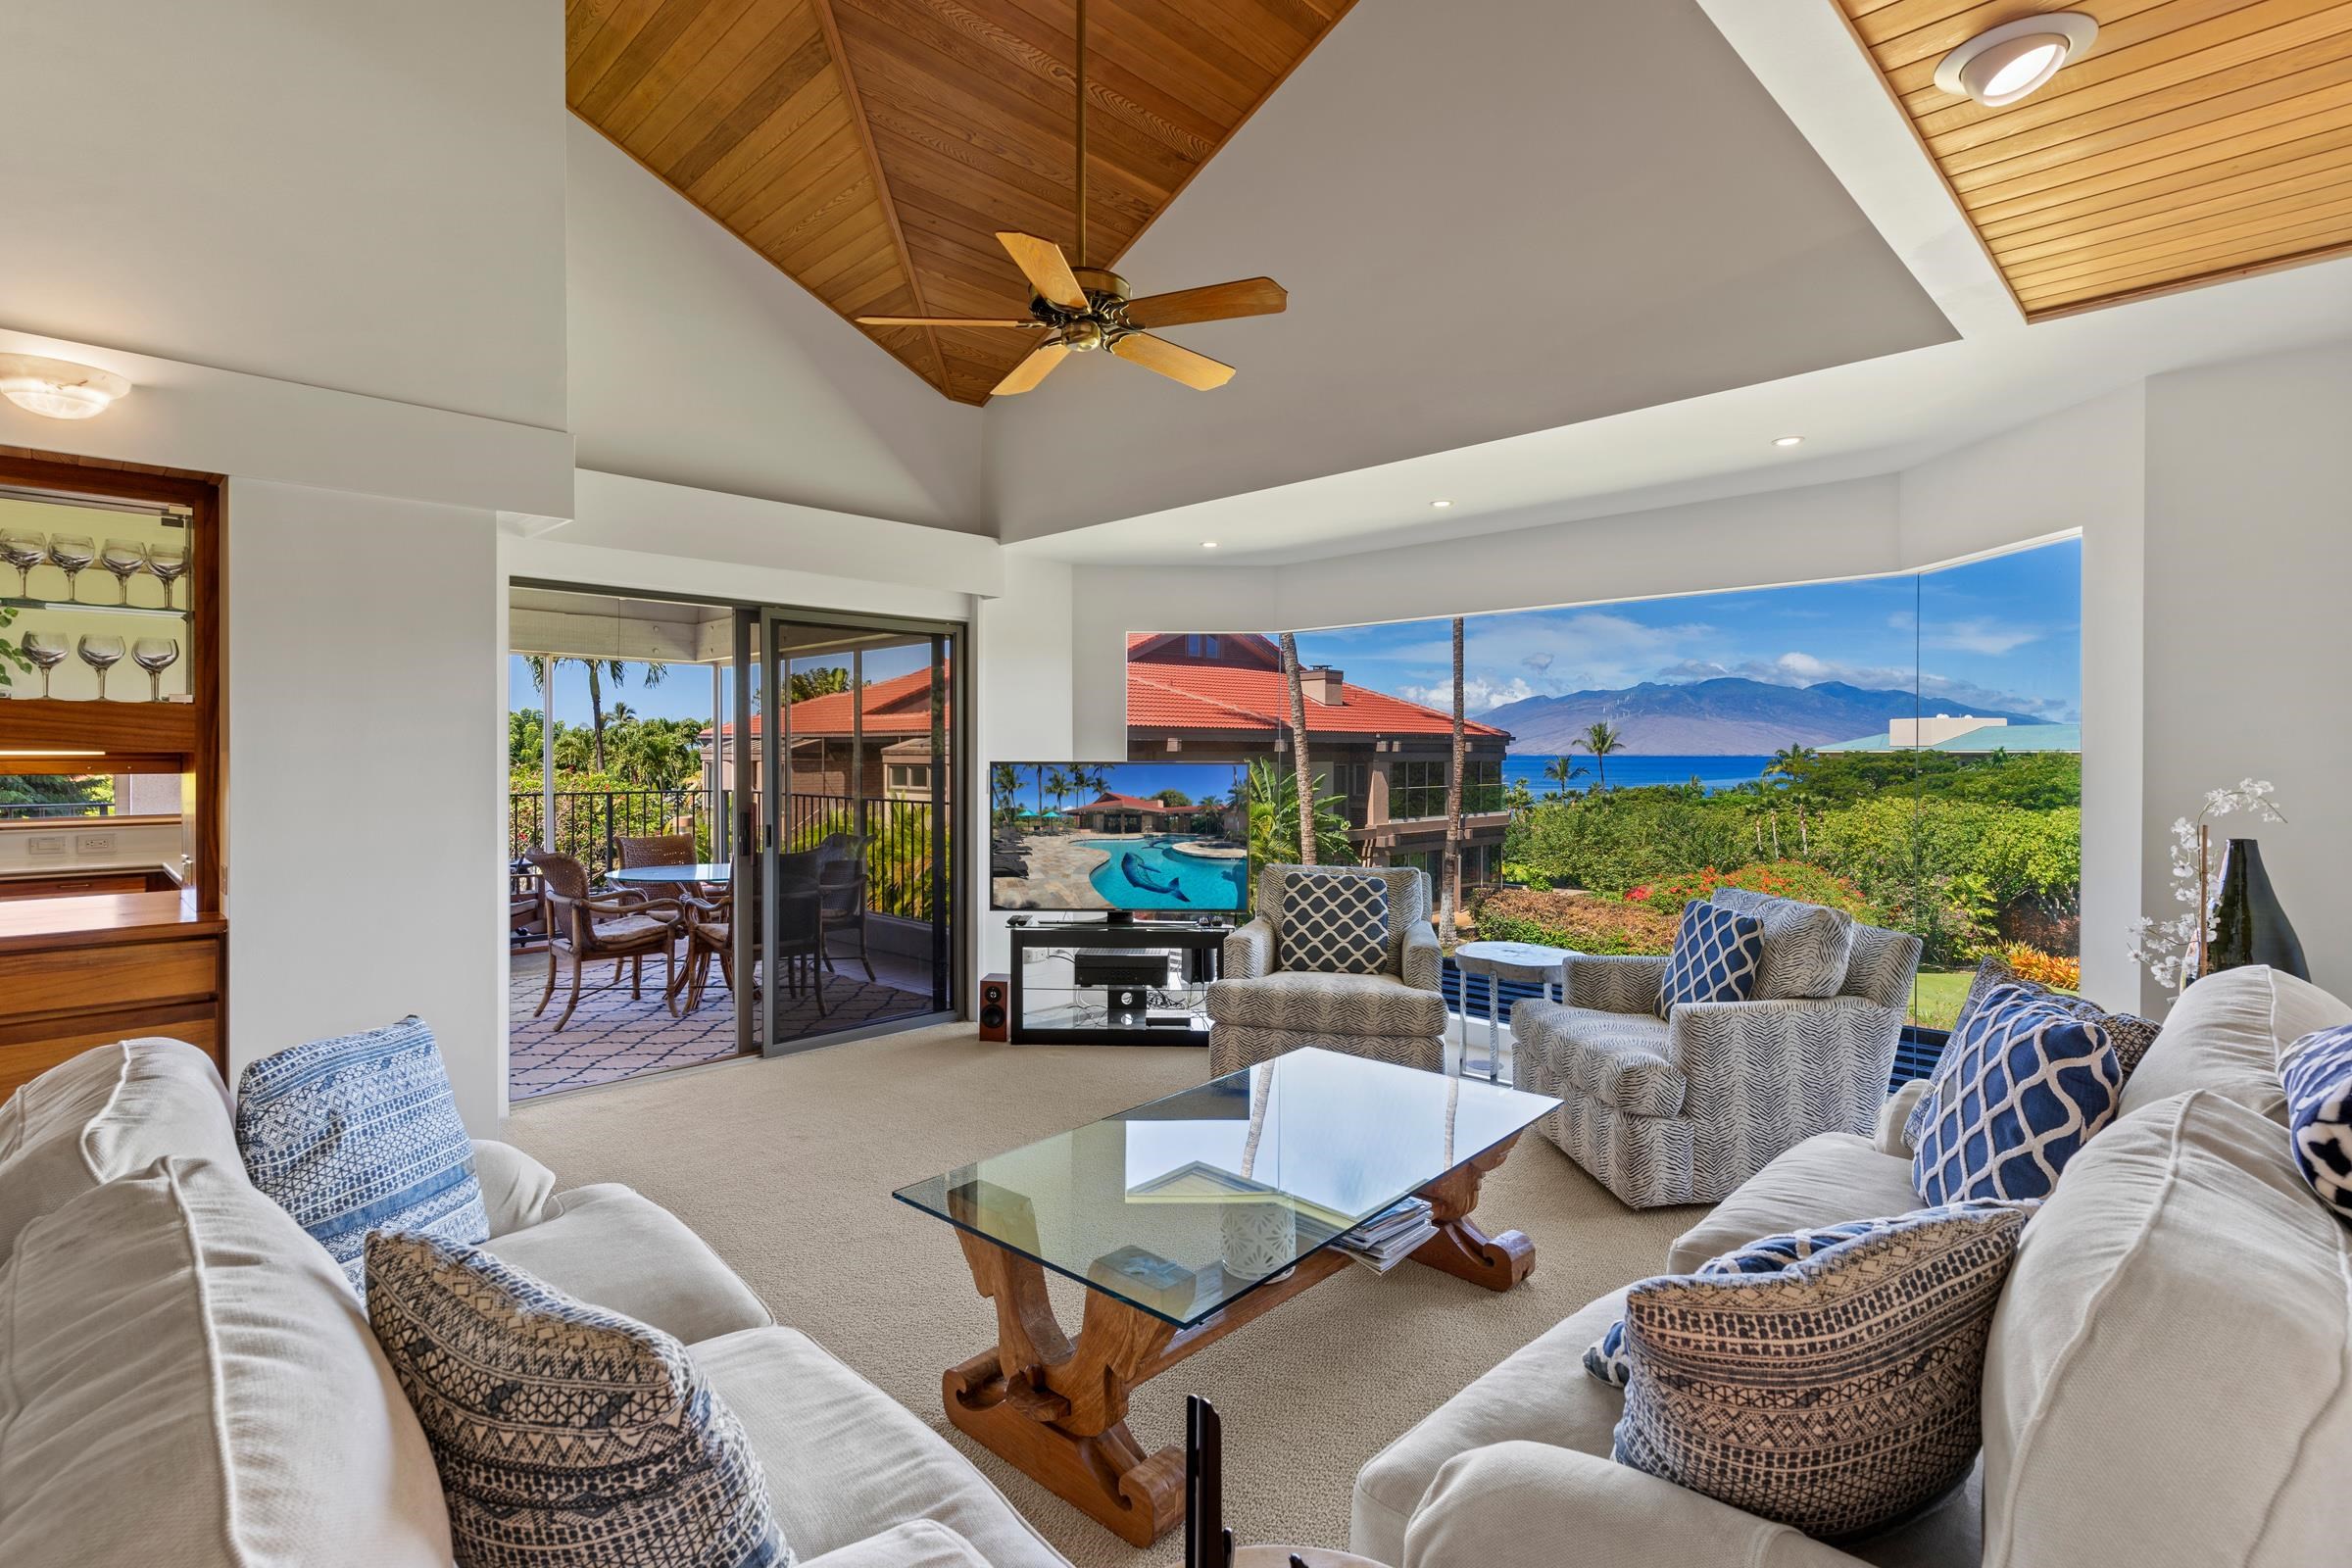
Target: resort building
<point>1132,813</point>
<point>1203,697</point>
<point>1966,736</point>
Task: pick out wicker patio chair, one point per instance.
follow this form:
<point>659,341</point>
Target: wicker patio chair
<point>710,915</point>
<point>841,888</point>
<point>586,928</point>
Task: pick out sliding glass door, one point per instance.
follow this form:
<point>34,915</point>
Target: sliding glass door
<point>845,825</point>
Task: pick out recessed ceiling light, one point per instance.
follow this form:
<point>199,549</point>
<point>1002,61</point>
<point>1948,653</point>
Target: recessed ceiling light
<point>1441,505</point>
<point>58,389</point>
<point>1787,440</point>
<point>1208,544</point>
<point>1999,68</point>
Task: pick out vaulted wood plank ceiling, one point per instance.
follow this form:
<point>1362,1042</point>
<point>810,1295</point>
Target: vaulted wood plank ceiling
<point>2195,141</point>
<point>872,148</point>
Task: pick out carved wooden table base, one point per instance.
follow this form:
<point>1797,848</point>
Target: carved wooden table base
<point>1057,1408</point>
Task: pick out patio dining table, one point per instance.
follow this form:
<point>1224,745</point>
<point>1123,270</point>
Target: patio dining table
<point>661,875</point>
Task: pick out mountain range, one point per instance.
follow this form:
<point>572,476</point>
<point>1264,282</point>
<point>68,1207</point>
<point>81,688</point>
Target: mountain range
<point>1727,716</point>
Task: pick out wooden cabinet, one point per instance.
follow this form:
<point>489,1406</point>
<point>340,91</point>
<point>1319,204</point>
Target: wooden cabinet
<point>70,884</point>
<point>77,973</point>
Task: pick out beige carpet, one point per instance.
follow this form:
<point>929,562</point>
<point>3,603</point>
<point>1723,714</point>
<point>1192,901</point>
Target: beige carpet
<point>787,1167</point>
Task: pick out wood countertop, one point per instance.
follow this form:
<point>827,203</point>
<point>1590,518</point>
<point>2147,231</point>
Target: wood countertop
<point>103,919</point>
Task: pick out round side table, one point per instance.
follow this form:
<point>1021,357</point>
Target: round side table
<point>1499,962</point>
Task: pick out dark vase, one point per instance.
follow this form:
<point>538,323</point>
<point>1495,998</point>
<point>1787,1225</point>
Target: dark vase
<point>2249,925</point>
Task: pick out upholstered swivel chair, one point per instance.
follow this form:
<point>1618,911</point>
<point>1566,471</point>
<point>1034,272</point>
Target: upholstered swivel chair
<point>1683,1111</point>
<point>1257,1009</point>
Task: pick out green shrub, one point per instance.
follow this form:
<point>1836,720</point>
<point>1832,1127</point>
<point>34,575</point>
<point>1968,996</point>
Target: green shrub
<point>1585,922</point>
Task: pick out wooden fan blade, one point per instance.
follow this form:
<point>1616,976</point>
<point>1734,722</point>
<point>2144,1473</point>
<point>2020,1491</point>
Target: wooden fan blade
<point>1195,370</point>
<point>943,321</point>
<point>1031,370</point>
<point>1213,301</point>
<point>1044,266</point>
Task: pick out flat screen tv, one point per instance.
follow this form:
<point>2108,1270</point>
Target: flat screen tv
<point>1121,838</point>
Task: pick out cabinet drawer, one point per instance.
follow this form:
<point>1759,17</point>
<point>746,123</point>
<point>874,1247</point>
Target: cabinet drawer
<point>101,979</point>
<point>64,887</point>
<point>27,1051</point>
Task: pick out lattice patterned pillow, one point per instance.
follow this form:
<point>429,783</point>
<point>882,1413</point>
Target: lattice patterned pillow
<point>1335,922</point>
<point>362,1133</point>
<point>1716,953</point>
<point>2029,1083</point>
<point>2129,1033</point>
<point>2318,1079</point>
<point>566,1436</point>
<point>1837,1393</point>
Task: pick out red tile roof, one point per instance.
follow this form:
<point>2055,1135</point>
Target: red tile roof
<point>1131,803</point>
<point>1165,692</point>
<point>899,706</point>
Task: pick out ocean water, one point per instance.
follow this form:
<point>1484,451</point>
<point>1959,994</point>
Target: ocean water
<point>1627,773</point>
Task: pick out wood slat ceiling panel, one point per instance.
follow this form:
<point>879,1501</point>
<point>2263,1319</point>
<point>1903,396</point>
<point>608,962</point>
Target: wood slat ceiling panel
<point>2196,140</point>
<point>872,148</point>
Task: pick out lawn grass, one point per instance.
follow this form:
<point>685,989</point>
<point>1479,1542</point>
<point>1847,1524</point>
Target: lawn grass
<point>1935,999</point>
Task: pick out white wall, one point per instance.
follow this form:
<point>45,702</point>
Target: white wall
<point>365,777</point>
<point>697,362</point>
<point>2249,554</point>
<point>1023,654</point>
<point>366,197</point>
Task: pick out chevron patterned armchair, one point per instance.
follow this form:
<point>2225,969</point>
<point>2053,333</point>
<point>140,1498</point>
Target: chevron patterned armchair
<point>1683,1113</point>
<point>1257,1009</point>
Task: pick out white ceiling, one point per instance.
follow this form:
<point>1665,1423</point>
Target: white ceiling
<point>1866,417</point>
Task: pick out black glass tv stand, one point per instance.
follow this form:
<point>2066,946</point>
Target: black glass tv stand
<point>1131,982</point>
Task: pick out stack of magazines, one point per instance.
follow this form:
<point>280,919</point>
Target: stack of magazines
<point>1390,1236</point>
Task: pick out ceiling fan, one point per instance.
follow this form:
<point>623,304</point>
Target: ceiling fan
<point>1085,307</point>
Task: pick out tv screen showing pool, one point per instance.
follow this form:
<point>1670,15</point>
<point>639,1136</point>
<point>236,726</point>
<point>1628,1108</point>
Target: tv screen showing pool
<point>1118,836</point>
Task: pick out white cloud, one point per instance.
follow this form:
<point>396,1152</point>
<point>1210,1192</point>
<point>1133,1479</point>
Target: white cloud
<point>1478,693</point>
<point>1982,635</point>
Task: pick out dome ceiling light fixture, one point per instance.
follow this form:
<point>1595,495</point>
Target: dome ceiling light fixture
<point>59,388</point>
<point>2014,60</point>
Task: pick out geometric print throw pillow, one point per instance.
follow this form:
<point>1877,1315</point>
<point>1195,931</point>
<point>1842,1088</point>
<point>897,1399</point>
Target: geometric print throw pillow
<point>566,1436</point>
<point>1335,922</point>
<point>2029,1083</point>
<point>1717,953</point>
<point>362,1133</point>
<point>1610,1360</point>
<point>1837,1393</point>
<point>2129,1033</point>
<point>2317,1080</point>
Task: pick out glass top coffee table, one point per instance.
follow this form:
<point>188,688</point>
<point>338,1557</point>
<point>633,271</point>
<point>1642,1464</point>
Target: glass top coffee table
<point>1185,1219</point>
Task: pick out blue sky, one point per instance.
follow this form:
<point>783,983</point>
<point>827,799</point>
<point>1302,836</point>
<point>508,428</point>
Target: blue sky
<point>1198,780</point>
<point>684,690</point>
<point>2001,632</point>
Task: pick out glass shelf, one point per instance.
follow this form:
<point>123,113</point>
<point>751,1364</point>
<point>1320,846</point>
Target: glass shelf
<point>150,612</point>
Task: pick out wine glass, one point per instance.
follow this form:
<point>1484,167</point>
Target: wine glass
<point>70,553</point>
<point>126,558</point>
<point>155,655</point>
<point>167,559</point>
<point>46,649</point>
<point>23,550</point>
<point>100,653</point>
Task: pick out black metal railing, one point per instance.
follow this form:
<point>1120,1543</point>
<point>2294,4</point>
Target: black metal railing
<point>901,836</point>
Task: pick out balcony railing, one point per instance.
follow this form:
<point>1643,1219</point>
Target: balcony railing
<point>590,823</point>
<point>47,810</point>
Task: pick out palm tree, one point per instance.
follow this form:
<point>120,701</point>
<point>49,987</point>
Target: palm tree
<point>1562,772</point>
<point>1271,807</point>
<point>1600,740</point>
<point>1005,785</point>
<point>1449,895</point>
<point>1793,763</point>
<point>599,671</point>
<point>808,683</point>
<point>1058,785</point>
<point>1304,784</point>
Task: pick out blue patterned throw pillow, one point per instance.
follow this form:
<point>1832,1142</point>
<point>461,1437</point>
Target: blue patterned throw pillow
<point>362,1133</point>
<point>1837,1393</point>
<point>2130,1035</point>
<point>2317,1080</point>
<point>2029,1083</point>
<point>1717,953</point>
<point>1335,922</point>
<point>566,1436</point>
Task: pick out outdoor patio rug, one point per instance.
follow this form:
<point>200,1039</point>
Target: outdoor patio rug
<point>611,1037</point>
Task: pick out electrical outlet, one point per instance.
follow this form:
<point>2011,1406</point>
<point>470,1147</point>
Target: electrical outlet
<point>94,844</point>
<point>46,844</point>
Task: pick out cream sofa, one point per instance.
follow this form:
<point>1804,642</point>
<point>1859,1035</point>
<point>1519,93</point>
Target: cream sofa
<point>2169,1382</point>
<point>186,1380</point>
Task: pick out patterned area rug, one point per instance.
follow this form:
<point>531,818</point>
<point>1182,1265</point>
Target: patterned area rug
<point>611,1037</point>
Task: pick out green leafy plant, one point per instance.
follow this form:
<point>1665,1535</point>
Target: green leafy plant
<point>11,656</point>
<point>1271,797</point>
